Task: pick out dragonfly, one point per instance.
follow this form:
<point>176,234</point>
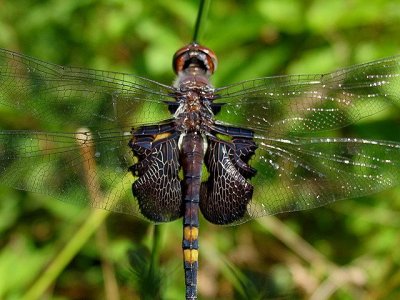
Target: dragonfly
<point>164,152</point>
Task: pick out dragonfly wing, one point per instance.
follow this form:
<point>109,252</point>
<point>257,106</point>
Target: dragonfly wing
<point>226,193</point>
<point>303,173</point>
<point>306,103</point>
<point>84,168</point>
<point>158,187</point>
<point>52,93</point>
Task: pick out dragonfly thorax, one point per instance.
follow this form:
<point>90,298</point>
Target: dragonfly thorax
<point>194,65</point>
<point>194,112</point>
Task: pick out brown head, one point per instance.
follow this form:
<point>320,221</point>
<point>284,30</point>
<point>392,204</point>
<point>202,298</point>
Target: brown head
<point>195,56</point>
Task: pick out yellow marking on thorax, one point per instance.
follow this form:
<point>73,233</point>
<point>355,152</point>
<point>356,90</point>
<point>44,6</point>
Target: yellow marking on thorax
<point>191,255</point>
<point>190,233</point>
<point>161,136</point>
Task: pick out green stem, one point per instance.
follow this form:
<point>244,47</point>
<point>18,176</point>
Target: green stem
<point>203,9</point>
<point>66,255</point>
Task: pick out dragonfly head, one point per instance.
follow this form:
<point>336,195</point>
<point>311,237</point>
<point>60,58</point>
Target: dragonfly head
<point>196,57</point>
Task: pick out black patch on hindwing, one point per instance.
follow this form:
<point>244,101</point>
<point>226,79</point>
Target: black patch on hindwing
<point>227,192</point>
<point>158,188</point>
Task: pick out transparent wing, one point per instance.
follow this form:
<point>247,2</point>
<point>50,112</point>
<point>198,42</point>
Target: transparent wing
<point>49,93</point>
<point>303,173</point>
<point>90,168</point>
<point>305,103</point>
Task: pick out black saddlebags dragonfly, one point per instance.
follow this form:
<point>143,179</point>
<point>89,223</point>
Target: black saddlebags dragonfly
<point>164,152</point>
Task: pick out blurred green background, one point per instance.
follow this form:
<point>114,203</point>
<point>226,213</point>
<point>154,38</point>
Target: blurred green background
<point>348,250</point>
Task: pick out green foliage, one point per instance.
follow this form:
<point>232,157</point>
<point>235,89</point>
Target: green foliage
<point>348,250</point>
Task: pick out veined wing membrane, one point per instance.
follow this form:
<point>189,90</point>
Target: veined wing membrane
<point>88,97</point>
<point>89,169</point>
<point>306,103</point>
<point>303,173</point>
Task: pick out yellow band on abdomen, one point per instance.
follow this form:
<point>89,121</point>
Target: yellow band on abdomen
<point>190,255</point>
<point>190,233</point>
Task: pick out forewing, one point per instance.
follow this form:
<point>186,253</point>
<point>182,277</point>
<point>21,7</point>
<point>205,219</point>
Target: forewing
<point>306,103</point>
<point>50,93</point>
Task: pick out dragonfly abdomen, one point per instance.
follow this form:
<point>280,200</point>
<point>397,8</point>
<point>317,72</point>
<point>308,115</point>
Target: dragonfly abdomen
<point>192,150</point>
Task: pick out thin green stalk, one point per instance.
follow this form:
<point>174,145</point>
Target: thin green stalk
<point>95,219</point>
<point>201,15</point>
<point>155,251</point>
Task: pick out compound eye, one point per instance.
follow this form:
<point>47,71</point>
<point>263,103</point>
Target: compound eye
<point>194,54</point>
<point>179,59</point>
<point>212,60</point>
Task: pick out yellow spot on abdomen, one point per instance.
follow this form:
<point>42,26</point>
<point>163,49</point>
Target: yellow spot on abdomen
<point>190,255</point>
<point>190,233</point>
